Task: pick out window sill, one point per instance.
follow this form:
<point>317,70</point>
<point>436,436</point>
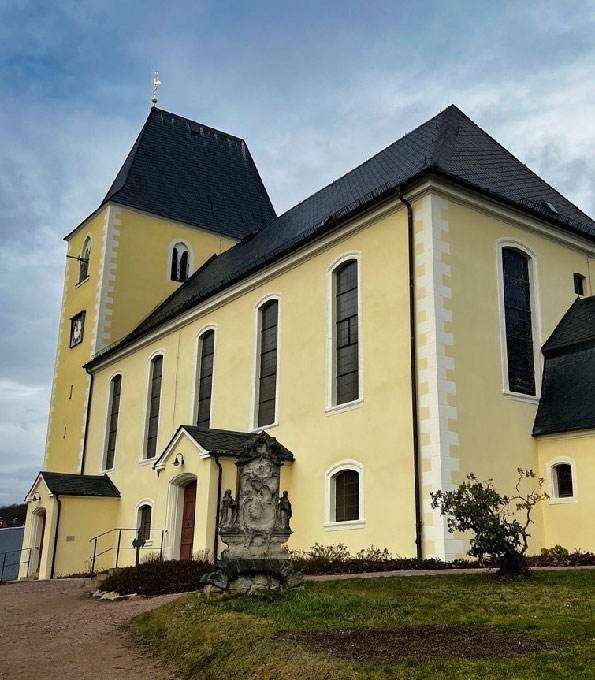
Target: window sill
<point>339,526</point>
<point>260,428</point>
<point>107,470</point>
<point>80,283</point>
<point>562,501</point>
<point>147,461</point>
<point>340,408</point>
<point>519,396</point>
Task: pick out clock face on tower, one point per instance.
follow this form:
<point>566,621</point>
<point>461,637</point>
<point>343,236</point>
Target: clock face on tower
<point>76,329</point>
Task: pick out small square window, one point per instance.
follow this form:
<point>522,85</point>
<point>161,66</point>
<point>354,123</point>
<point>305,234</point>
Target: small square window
<point>77,325</point>
<point>579,284</point>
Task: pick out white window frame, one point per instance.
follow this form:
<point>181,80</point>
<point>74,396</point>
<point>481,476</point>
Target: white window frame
<point>137,517</point>
<point>331,355</point>
<point>253,423</point>
<point>197,353</point>
<point>535,296</point>
<point>107,416</point>
<point>553,482</point>
<point>330,523</point>
<point>170,254</point>
<point>143,460</point>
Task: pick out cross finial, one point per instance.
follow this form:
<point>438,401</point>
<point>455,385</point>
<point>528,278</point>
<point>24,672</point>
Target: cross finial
<point>156,83</point>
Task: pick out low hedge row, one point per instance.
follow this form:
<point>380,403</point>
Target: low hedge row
<point>155,577</point>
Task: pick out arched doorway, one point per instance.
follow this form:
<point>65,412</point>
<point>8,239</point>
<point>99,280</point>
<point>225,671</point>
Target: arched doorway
<point>36,541</point>
<point>180,517</point>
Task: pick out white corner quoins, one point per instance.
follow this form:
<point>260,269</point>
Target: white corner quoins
<point>437,388</point>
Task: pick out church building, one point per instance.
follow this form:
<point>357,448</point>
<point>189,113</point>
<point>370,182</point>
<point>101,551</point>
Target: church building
<point>425,316</point>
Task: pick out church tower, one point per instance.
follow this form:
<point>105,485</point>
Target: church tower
<point>185,193</point>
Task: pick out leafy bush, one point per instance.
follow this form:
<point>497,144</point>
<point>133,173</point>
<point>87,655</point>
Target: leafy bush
<point>156,577</point>
<point>497,533</point>
<point>336,559</point>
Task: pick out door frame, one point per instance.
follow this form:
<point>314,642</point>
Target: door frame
<point>36,539</point>
<point>174,513</point>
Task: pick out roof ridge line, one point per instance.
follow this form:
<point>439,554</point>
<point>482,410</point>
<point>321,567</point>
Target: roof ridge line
<point>518,160</point>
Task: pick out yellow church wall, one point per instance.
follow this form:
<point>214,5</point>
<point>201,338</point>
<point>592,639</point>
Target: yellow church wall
<point>81,518</point>
<point>569,521</point>
<point>140,265</point>
<point>494,430</point>
<point>70,386</point>
<point>375,432</point>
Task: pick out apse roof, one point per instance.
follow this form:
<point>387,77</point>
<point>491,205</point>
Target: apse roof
<point>568,389</point>
<point>449,145</point>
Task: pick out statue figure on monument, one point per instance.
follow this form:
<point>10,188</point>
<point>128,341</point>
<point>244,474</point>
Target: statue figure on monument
<point>228,511</point>
<point>284,511</point>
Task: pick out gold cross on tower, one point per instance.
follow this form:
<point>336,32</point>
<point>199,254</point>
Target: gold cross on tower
<point>156,84</point>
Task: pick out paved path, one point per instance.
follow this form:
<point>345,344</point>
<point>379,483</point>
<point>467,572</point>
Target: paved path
<point>54,630</point>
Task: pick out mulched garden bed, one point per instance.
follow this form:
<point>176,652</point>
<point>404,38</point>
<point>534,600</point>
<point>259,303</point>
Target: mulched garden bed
<point>392,645</point>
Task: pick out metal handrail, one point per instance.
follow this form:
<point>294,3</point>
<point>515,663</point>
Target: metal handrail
<point>119,546</point>
<point>12,564</point>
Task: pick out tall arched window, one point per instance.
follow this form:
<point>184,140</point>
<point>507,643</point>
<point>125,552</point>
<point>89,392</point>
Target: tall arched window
<point>84,260</point>
<point>112,421</point>
<point>518,321</point>
<point>180,262</point>
<point>144,521</point>
<point>153,410</point>
<point>206,351</point>
<point>268,316</point>
<point>346,333</point>
<point>563,486</point>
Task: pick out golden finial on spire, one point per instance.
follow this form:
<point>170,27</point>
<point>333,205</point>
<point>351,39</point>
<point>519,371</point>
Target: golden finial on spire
<point>156,83</point>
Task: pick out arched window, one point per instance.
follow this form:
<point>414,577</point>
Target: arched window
<point>180,262</point>
<point>206,351</point>
<point>344,496</point>
<point>112,421</point>
<point>144,521</point>
<point>84,258</point>
<point>154,401</point>
<point>518,321</point>
<point>266,385</point>
<point>346,341</point>
<point>562,478</point>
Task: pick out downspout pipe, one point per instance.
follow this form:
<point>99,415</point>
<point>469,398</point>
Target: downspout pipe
<point>413,363</point>
<point>56,537</point>
<point>216,537</point>
<point>87,416</point>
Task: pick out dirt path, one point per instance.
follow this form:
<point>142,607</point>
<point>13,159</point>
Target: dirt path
<point>54,630</point>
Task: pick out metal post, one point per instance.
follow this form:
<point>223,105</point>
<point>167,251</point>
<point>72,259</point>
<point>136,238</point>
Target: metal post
<point>161,546</point>
<point>29,551</point>
<point>118,547</point>
<point>93,560</point>
<point>3,563</point>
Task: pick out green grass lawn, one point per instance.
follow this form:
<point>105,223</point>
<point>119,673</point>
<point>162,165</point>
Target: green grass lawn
<point>232,638</point>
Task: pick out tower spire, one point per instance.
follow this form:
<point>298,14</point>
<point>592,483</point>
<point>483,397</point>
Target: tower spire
<point>156,83</point>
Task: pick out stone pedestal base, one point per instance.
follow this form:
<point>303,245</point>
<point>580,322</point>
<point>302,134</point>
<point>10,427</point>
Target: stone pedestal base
<point>241,575</point>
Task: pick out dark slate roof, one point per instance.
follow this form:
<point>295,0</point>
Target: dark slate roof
<point>449,145</point>
<point>194,174</point>
<point>576,329</point>
<point>568,389</point>
<point>221,442</point>
<point>80,485</point>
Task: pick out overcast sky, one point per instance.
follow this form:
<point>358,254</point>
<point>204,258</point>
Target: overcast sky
<point>315,88</point>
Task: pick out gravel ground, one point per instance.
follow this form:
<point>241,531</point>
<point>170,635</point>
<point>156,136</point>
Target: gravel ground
<point>54,629</point>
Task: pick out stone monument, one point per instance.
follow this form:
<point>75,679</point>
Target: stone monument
<point>255,524</point>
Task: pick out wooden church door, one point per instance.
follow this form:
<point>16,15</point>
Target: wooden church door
<point>187,535</point>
